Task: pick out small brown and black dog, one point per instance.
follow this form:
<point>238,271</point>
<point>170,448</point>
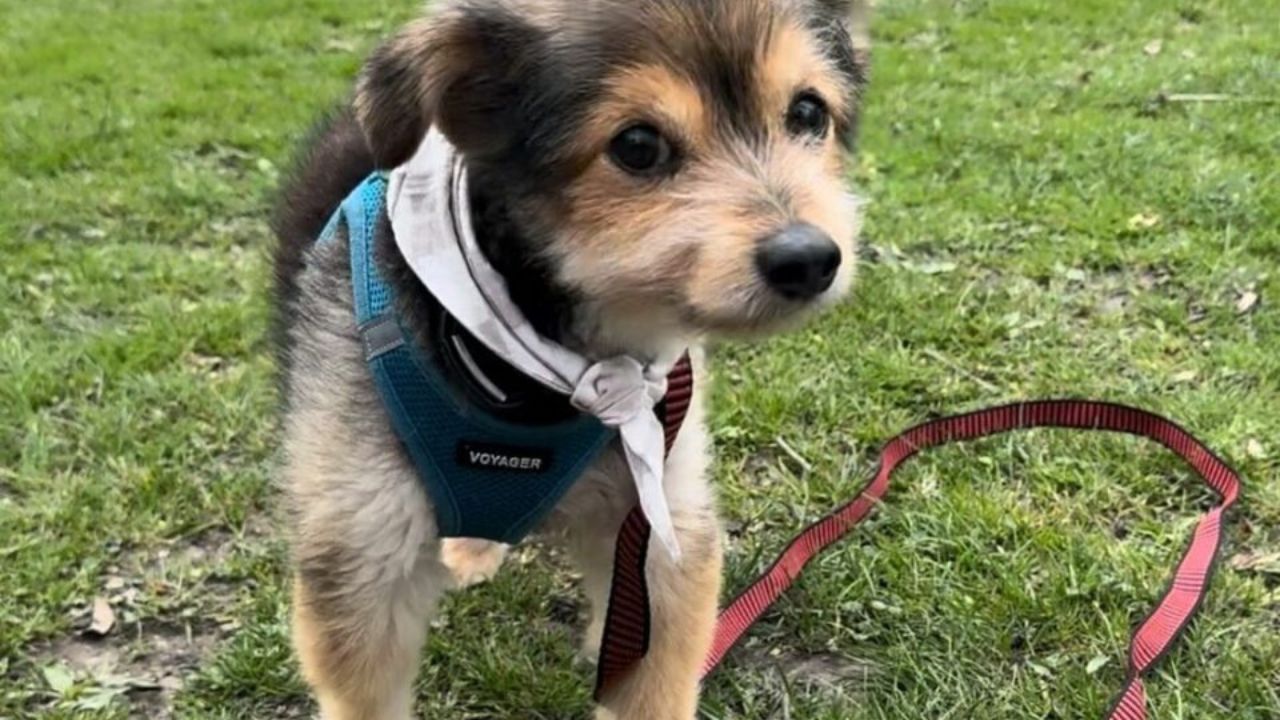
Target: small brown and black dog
<point>645,174</point>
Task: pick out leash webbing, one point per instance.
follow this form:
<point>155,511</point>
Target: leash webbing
<point>626,627</point>
<point>1152,639</point>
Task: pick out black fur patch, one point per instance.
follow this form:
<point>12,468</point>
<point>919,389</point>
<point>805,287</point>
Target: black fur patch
<point>332,162</point>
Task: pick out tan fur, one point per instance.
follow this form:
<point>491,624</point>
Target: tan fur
<point>790,62</point>
<point>364,540</point>
<point>471,561</point>
<point>654,93</point>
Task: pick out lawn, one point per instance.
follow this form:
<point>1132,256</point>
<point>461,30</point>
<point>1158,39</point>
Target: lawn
<point>1066,198</point>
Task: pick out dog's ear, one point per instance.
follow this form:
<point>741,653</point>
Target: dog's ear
<point>458,70</point>
<point>844,27</point>
<point>854,20</point>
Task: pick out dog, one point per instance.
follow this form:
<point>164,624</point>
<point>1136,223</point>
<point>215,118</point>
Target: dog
<point>645,175</point>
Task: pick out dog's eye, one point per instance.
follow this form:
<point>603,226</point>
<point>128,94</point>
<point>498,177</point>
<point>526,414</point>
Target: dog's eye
<point>808,115</point>
<point>641,150</point>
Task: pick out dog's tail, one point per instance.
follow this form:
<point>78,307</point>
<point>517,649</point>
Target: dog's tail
<point>333,161</point>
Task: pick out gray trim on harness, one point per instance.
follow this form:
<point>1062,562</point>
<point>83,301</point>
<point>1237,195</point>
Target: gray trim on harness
<point>380,337</point>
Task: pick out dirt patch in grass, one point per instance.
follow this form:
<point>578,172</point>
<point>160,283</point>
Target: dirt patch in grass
<point>158,613</point>
<point>145,665</point>
<point>820,672</point>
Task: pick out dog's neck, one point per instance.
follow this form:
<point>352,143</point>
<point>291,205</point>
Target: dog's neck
<point>549,308</point>
<point>556,312</point>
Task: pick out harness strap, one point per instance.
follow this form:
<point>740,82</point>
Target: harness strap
<point>1152,639</point>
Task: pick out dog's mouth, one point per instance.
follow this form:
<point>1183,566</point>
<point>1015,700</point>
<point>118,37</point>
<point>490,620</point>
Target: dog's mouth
<point>643,323</point>
<point>761,312</point>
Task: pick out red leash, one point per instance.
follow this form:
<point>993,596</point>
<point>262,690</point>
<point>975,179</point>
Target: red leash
<point>627,624</point>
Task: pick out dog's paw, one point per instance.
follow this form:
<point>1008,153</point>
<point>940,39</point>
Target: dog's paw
<point>472,562</point>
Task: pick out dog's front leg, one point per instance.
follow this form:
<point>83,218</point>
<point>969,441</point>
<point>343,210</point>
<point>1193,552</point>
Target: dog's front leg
<point>683,599</point>
<point>683,596</point>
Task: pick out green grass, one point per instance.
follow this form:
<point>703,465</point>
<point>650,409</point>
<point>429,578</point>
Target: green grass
<point>1011,147</point>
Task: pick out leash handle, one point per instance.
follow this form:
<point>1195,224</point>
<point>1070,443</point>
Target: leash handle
<point>1154,636</point>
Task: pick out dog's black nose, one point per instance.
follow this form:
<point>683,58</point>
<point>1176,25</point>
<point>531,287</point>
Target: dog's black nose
<point>800,262</point>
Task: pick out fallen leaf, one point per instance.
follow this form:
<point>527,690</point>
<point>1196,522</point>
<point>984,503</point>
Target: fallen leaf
<point>115,582</point>
<point>1247,302</point>
<point>1040,670</point>
<point>59,678</point>
<point>339,45</point>
<point>940,267</point>
<point>1186,376</point>
<point>1153,48</point>
<point>99,700</point>
<point>1096,664</point>
<point>1255,449</point>
<point>1144,221</point>
<point>103,618</point>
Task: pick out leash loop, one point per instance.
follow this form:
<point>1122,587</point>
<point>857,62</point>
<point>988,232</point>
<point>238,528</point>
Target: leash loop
<point>1153,638</point>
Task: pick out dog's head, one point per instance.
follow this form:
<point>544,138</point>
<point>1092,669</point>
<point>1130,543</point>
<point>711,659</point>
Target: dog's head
<point>678,166</point>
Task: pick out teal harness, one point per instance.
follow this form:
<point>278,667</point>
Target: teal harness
<point>487,477</point>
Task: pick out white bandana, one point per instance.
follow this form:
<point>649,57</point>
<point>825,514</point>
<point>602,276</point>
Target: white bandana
<point>428,205</point>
